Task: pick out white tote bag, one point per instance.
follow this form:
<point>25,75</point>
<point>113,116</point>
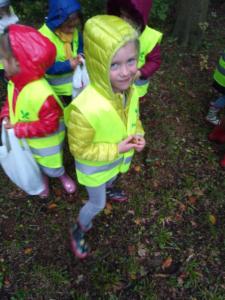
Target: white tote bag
<point>80,79</point>
<point>18,163</point>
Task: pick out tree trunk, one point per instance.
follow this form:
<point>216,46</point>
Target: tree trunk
<point>191,22</point>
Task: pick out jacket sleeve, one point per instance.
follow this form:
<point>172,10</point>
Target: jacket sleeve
<point>80,44</point>
<point>5,110</point>
<point>152,63</point>
<point>81,136</point>
<point>60,68</point>
<point>48,123</point>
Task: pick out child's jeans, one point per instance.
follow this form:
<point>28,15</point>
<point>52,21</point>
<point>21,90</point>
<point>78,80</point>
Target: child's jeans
<point>219,103</point>
<point>95,203</point>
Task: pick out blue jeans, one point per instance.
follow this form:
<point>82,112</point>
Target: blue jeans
<point>219,103</point>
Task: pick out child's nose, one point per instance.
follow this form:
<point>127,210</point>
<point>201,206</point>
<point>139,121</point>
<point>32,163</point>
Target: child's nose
<point>124,70</point>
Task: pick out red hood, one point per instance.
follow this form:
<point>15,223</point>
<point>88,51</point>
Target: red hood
<point>138,9</point>
<point>34,52</point>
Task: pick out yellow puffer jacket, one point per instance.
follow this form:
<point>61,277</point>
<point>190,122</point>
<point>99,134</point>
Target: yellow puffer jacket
<point>98,55</point>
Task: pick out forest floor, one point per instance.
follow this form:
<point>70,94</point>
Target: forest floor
<point>168,241</point>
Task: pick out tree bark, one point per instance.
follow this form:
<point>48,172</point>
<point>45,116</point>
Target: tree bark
<point>191,22</point>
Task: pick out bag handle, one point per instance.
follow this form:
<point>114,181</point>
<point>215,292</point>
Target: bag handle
<point>5,137</point>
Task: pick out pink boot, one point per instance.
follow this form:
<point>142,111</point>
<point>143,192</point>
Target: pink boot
<point>45,193</point>
<point>68,183</point>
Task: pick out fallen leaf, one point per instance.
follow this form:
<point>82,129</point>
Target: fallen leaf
<point>108,209</point>
<point>182,207</point>
<point>28,251</point>
<point>137,169</point>
<point>212,219</point>
<point>192,200</point>
<point>137,221</point>
<point>167,263</point>
<point>52,206</point>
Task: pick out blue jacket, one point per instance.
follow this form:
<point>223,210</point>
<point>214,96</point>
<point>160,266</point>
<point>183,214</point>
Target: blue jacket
<point>58,12</point>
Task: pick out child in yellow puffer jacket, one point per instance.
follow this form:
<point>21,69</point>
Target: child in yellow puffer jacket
<point>103,122</point>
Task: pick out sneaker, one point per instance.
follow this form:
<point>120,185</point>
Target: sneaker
<point>78,244</point>
<point>212,116</point>
<point>116,194</point>
<point>68,183</point>
<point>45,193</point>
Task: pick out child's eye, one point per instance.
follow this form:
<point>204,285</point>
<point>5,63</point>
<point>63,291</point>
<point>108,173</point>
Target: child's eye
<point>114,66</point>
<point>131,61</point>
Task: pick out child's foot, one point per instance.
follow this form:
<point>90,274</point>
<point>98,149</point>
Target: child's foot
<point>116,194</point>
<point>68,183</point>
<point>45,193</point>
<point>78,244</point>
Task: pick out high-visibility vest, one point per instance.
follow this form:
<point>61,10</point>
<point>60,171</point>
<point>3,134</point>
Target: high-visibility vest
<point>148,40</point>
<point>47,150</point>
<point>219,74</point>
<point>62,84</point>
<point>109,128</point>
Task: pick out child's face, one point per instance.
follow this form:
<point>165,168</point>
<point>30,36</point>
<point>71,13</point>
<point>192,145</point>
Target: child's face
<point>71,24</point>
<point>11,66</point>
<point>123,67</point>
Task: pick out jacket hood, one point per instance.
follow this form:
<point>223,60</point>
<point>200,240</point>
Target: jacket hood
<point>59,11</point>
<point>103,36</point>
<point>139,10</point>
<point>34,52</point>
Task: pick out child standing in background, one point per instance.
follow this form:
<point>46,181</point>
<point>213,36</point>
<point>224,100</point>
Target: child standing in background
<point>103,121</point>
<point>219,85</point>
<point>32,109</point>
<point>61,27</point>
<point>136,12</point>
<point>7,17</point>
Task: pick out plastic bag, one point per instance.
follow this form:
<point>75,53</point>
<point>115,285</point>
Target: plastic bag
<point>18,163</point>
<point>80,79</point>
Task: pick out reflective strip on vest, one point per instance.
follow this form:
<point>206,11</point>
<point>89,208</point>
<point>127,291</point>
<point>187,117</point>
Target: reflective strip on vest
<point>221,69</point>
<point>47,151</point>
<point>90,170</point>
<point>60,80</point>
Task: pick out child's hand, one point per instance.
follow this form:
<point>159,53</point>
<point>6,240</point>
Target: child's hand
<point>138,75</point>
<point>126,145</point>
<point>74,62</point>
<point>139,143</point>
<point>8,125</point>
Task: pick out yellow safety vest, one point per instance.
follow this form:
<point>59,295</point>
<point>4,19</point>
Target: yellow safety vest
<point>46,150</point>
<point>219,74</point>
<point>148,40</point>
<point>109,128</point>
<point>62,84</point>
